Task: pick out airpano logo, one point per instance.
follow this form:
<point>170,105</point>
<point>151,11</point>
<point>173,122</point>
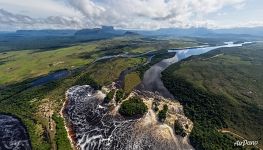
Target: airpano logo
<point>245,143</point>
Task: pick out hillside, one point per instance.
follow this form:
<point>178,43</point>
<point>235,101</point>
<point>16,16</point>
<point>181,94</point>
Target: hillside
<point>221,91</point>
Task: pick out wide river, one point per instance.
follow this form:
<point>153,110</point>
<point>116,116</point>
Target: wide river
<point>152,77</point>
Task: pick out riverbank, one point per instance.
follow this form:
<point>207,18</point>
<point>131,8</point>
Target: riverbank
<point>222,92</point>
<point>152,77</point>
<point>70,134</point>
<point>99,125</point>
<point>28,103</point>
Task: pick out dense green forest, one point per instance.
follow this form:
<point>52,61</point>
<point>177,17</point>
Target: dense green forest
<point>133,107</point>
<point>220,90</point>
<point>109,96</point>
<point>62,142</point>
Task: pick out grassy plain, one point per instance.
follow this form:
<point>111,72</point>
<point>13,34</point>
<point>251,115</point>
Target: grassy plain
<point>38,107</point>
<point>131,80</point>
<point>20,65</point>
<point>106,72</point>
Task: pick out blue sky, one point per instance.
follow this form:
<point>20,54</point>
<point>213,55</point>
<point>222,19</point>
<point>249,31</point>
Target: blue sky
<point>250,14</point>
<point>132,14</point>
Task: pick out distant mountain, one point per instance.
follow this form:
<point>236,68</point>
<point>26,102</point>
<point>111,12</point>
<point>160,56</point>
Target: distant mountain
<point>109,31</point>
<point>46,32</point>
<point>179,32</point>
<point>128,33</point>
<point>256,31</point>
<point>204,32</point>
<point>185,32</point>
<point>103,31</point>
<point>51,38</point>
<point>5,32</point>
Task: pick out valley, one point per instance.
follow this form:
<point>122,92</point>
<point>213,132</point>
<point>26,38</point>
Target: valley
<point>38,100</point>
<point>131,75</point>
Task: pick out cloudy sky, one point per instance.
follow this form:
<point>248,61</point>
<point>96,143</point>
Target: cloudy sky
<point>131,14</point>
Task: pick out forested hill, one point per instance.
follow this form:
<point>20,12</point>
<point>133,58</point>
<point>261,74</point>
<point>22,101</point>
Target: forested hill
<point>221,91</point>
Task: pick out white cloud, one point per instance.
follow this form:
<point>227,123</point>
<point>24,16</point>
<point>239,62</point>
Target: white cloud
<point>37,8</point>
<point>151,13</point>
<point>17,21</point>
<point>87,7</point>
<point>147,14</point>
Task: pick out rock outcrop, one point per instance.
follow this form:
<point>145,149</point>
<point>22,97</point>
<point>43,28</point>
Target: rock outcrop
<point>97,125</point>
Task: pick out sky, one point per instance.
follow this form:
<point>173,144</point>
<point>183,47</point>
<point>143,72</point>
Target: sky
<point>129,14</point>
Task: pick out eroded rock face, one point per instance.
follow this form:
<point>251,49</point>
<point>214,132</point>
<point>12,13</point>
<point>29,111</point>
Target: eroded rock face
<point>13,135</point>
<point>99,126</point>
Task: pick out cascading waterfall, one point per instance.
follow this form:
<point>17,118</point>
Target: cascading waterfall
<point>97,127</point>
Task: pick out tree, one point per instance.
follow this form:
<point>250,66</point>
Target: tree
<point>178,129</point>
<point>109,96</point>
<point>119,95</point>
<point>133,107</point>
<point>155,106</point>
<point>162,113</point>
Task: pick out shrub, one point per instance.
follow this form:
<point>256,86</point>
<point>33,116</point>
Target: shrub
<point>155,106</point>
<point>119,95</point>
<point>109,96</point>
<point>178,129</point>
<point>85,79</point>
<point>162,113</point>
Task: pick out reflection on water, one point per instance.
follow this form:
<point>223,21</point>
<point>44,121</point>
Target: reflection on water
<point>185,53</point>
<point>50,77</point>
<point>152,77</point>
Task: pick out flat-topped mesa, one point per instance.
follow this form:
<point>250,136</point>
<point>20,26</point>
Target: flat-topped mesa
<point>99,125</point>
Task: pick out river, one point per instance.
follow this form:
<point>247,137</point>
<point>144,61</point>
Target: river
<point>60,74</point>
<point>152,77</point>
<point>13,134</point>
<point>151,74</point>
<point>99,126</point>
